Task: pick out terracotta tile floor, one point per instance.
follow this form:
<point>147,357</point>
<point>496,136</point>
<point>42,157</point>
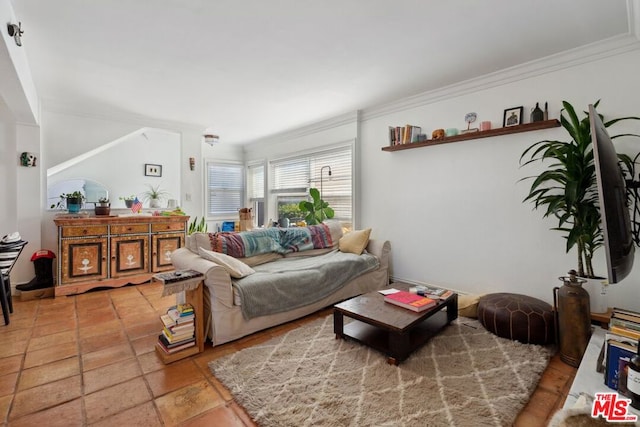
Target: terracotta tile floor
<point>89,360</point>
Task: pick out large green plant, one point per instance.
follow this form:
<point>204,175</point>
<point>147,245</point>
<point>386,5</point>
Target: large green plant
<point>317,210</point>
<point>567,188</point>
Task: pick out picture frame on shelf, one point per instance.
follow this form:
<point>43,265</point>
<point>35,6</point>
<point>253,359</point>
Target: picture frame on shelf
<point>152,170</point>
<point>512,116</point>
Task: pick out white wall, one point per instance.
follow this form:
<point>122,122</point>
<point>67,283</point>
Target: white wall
<point>66,136</point>
<point>120,167</point>
<point>454,212</point>
<point>19,115</point>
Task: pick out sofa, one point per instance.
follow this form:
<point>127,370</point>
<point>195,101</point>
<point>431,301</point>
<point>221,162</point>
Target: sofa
<point>262,278</point>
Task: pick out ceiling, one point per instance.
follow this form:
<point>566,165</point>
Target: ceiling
<point>246,69</point>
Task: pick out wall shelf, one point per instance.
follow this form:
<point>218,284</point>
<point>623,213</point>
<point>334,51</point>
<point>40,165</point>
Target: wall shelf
<point>527,127</point>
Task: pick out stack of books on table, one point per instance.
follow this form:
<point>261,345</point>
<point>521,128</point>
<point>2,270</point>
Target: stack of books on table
<point>179,328</point>
<point>430,292</point>
<point>621,343</point>
<point>409,300</point>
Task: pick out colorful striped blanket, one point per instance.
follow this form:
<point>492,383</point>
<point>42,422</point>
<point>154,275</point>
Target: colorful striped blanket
<point>278,240</point>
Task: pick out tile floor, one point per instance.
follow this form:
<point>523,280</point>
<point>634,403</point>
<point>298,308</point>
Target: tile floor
<point>89,360</point>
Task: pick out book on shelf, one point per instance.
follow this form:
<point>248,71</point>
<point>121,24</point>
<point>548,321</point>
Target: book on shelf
<point>407,134</point>
<point>616,350</point>
<point>625,332</point>
<point>430,292</point>
<point>180,316</point>
<point>410,301</point>
<point>176,337</point>
<point>625,324</point>
<point>173,348</point>
<point>630,314</point>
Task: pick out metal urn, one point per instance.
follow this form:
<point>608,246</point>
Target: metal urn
<point>571,304</point>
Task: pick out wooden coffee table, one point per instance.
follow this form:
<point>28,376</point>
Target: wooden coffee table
<point>393,330</point>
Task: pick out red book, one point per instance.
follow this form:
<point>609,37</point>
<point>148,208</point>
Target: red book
<point>411,301</point>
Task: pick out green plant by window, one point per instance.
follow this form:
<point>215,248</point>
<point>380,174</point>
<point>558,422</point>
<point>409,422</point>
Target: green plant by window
<point>317,210</point>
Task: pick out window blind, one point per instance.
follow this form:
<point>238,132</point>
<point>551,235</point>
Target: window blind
<point>294,176</point>
<point>255,181</point>
<point>225,185</point>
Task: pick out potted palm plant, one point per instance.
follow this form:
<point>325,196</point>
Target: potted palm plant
<point>154,195</point>
<point>567,189</point>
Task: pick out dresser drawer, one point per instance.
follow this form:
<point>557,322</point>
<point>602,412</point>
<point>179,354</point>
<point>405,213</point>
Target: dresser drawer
<point>94,230</point>
<point>167,226</point>
<point>130,229</point>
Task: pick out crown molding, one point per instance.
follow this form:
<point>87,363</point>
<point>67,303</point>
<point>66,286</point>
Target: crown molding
<point>350,117</point>
<point>567,59</point>
<point>56,106</point>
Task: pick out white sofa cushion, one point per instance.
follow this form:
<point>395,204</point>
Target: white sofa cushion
<point>236,268</point>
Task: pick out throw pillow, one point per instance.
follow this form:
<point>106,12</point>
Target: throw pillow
<point>468,305</point>
<point>236,268</point>
<point>354,241</point>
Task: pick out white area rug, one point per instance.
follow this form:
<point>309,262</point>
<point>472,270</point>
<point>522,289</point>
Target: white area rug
<point>465,376</point>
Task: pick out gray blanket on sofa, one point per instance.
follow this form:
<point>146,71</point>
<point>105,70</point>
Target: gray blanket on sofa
<point>290,283</point>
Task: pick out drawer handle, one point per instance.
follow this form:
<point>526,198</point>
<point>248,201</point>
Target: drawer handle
<point>85,231</point>
<point>129,229</point>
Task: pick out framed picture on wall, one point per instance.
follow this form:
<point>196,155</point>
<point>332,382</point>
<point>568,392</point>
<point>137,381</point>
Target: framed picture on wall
<point>152,170</point>
<point>512,117</point>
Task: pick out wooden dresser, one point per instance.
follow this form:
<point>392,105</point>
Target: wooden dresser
<point>113,251</point>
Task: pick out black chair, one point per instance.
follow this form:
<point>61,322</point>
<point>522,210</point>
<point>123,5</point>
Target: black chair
<point>9,253</point>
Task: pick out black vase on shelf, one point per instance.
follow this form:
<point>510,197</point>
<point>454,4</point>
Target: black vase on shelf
<point>537,115</point>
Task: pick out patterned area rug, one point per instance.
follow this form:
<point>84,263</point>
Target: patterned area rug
<point>465,376</point>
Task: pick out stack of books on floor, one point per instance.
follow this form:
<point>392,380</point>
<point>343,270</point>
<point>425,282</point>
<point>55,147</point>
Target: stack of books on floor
<point>179,328</point>
<point>621,343</point>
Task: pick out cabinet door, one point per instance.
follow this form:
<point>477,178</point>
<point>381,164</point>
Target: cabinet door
<point>129,255</point>
<point>84,259</point>
<point>163,246</point>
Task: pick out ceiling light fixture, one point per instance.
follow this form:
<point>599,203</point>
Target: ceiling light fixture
<point>211,139</point>
<point>16,32</point>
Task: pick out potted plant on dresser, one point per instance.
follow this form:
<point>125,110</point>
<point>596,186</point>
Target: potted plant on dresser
<point>102,206</point>
<point>72,201</point>
<point>154,195</point>
<point>128,200</point>
<point>567,188</point>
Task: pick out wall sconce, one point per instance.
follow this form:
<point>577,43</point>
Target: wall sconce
<point>211,139</point>
<point>192,163</point>
<point>16,32</point>
<point>28,159</point>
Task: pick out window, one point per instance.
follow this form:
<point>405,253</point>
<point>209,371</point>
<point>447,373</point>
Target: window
<point>225,189</point>
<point>255,192</point>
<point>330,171</point>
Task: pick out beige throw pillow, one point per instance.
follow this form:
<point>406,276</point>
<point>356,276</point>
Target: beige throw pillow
<point>468,305</point>
<point>354,241</point>
<point>236,268</point>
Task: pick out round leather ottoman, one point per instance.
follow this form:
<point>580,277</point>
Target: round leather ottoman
<point>518,317</point>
